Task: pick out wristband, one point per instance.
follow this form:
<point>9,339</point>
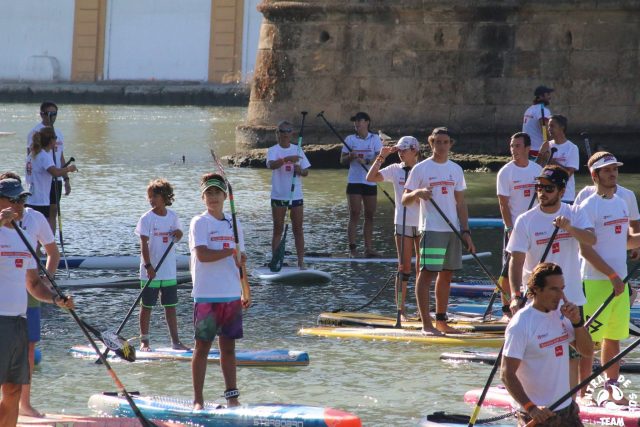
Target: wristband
<point>613,276</point>
<point>507,229</point>
<point>580,324</point>
<point>65,179</point>
<point>465,231</point>
<point>527,406</point>
<point>148,265</point>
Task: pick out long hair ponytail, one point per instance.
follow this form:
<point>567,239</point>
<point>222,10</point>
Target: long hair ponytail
<point>41,140</point>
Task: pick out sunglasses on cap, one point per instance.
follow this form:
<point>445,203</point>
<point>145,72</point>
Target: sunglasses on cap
<point>285,130</point>
<point>548,188</point>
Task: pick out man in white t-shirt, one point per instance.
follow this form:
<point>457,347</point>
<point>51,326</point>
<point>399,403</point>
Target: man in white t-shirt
<point>534,122</point>
<point>605,264</point>
<point>48,115</point>
<point>515,184</point>
<point>535,361</point>
<point>288,165</point>
<point>18,275</point>
<point>566,155</point>
<point>438,180</point>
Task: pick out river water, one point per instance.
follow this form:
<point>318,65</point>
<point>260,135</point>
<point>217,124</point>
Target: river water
<point>118,149</point>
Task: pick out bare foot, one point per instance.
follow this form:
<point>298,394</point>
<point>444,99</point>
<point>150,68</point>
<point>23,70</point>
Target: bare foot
<point>431,332</point>
<point>29,411</point>
<point>178,346</point>
<point>403,316</point>
<point>198,406</point>
<point>302,266</point>
<point>442,326</point>
<point>504,319</point>
<point>372,253</point>
<point>145,347</point>
<point>233,402</point>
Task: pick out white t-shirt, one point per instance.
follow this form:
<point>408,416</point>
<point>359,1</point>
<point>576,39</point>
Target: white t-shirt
<point>395,173</point>
<point>218,279</point>
<point>367,149</point>
<point>610,220</point>
<point>541,342</point>
<point>38,178</point>
<point>158,229</point>
<point>567,156</point>
<point>444,179</point>
<point>518,184</point>
<point>531,124</point>
<point>530,235</point>
<point>15,260</point>
<point>36,227</point>
<point>627,195</point>
<point>281,178</point>
<point>59,148</point>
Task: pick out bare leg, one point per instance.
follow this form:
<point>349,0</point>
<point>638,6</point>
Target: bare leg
<point>198,371</point>
<point>370,204</point>
<point>25,395</point>
<point>53,216</point>
<point>609,349</point>
<point>228,365</point>
<point>422,296</point>
<point>404,266</point>
<point>172,325</point>
<point>443,286</point>
<point>297,219</point>
<point>9,404</point>
<point>277,213</point>
<point>145,317</point>
<point>355,205</point>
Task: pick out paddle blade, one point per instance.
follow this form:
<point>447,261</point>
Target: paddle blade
<point>119,346</point>
<point>278,256</point>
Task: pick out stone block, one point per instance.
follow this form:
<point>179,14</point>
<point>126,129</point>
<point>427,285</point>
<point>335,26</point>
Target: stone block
<point>473,118</point>
<point>489,36</point>
<point>404,63</point>
<point>435,64</point>
<point>523,64</point>
<point>481,63</point>
<point>592,64</point>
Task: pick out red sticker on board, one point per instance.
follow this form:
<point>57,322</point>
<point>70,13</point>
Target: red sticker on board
<point>527,193</point>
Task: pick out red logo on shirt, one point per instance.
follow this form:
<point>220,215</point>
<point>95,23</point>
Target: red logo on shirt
<point>527,193</point>
<point>559,351</point>
<point>618,229</point>
<point>555,248</point>
<point>287,168</point>
<point>165,239</point>
<point>225,245</point>
<point>19,262</point>
<point>444,190</point>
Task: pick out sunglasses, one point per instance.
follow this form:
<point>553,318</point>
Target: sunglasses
<point>548,188</point>
<point>50,113</point>
<point>16,200</point>
<point>285,130</point>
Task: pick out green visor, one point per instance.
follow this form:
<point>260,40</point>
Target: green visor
<point>214,183</point>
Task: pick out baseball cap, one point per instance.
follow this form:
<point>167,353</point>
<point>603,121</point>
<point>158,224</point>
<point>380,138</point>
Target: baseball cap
<point>541,90</point>
<point>12,189</point>
<point>607,160</point>
<point>284,124</point>
<point>407,142</point>
<point>360,115</point>
<point>214,182</point>
<point>557,176</point>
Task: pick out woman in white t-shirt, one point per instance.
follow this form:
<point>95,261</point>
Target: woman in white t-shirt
<point>288,165</point>
<point>41,169</point>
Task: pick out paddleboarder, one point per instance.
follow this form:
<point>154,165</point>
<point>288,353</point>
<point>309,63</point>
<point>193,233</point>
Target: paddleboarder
<point>217,308</point>
<point>156,228</point>
<point>515,184</point>
<point>440,249</point>
<point>605,264</point>
<point>284,159</point>
<point>536,117</point>
<point>406,218</point>
<point>535,361</point>
<point>365,147</point>
<point>18,275</point>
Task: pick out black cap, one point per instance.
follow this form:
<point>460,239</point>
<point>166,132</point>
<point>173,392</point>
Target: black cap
<point>541,90</point>
<point>361,115</point>
<point>555,175</point>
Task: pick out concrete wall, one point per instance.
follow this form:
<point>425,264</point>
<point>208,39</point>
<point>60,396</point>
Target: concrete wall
<point>472,66</point>
<point>157,39</point>
<point>250,37</point>
<point>36,38</point>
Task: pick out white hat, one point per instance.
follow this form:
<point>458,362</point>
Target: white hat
<point>607,160</point>
<point>407,142</point>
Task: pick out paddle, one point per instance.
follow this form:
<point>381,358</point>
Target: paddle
<point>64,254</point>
<point>505,266</point>
<point>400,274</point>
<point>476,410</point>
<point>544,125</point>
<point>139,297</point>
<point>106,338</point>
<point>335,132</point>
<point>278,255</point>
<point>246,290</point>
<point>587,144</point>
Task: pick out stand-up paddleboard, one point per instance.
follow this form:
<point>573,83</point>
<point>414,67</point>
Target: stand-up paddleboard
<point>260,358</point>
<point>216,415</point>
<point>426,423</point>
<point>314,257</point>
<point>626,365</point>
<point>291,275</point>
<point>7,133</point>
<point>114,262</point>
<point>486,223</point>
<point>601,415</point>
<point>343,318</point>
<point>405,335</point>
<point>472,288</point>
<point>113,282</point>
<point>60,420</point>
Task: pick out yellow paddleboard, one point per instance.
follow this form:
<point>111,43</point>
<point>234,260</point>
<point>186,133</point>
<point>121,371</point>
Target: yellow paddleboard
<point>404,335</point>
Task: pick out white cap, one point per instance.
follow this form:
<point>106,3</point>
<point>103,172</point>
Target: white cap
<point>607,160</point>
<point>407,142</point>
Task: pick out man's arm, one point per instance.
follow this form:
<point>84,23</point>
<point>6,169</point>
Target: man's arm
<point>53,257</point>
<point>463,217</point>
<point>513,385</point>
<point>593,258</point>
<point>505,212</point>
<point>515,279</point>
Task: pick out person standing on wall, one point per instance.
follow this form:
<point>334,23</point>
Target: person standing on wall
<point>534,122</point>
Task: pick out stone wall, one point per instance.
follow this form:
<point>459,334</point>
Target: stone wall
<point>469,65</point>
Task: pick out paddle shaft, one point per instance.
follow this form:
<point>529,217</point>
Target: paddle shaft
<point>543,124</point>
<point>139,297</point>
<point>399,280</point>
<point>587,144</point>
<point>335,132</point>
<point>483,395</point>
<point>83,327</point>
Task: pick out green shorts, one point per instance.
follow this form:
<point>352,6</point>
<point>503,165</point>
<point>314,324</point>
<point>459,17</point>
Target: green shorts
<point>613,322</point>
<point>167,289</point>
<point>440,250</point>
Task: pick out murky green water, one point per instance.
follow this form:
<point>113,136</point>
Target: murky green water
<point>117,150</point>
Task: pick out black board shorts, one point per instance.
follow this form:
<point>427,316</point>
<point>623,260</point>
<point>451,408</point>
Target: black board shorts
<point>362,189</point>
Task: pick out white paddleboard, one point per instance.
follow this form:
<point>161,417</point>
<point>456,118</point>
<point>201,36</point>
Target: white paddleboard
<point>114,262</point>
<point>112,282</point>
<point>291,275</point>
<point>312,259</point>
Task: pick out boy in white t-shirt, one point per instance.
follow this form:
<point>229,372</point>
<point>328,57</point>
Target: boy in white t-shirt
<point>156,229</point>
<point>288,164</point>
<point>567,154</point>
<point>534,122</point>
<point>218,302</point>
